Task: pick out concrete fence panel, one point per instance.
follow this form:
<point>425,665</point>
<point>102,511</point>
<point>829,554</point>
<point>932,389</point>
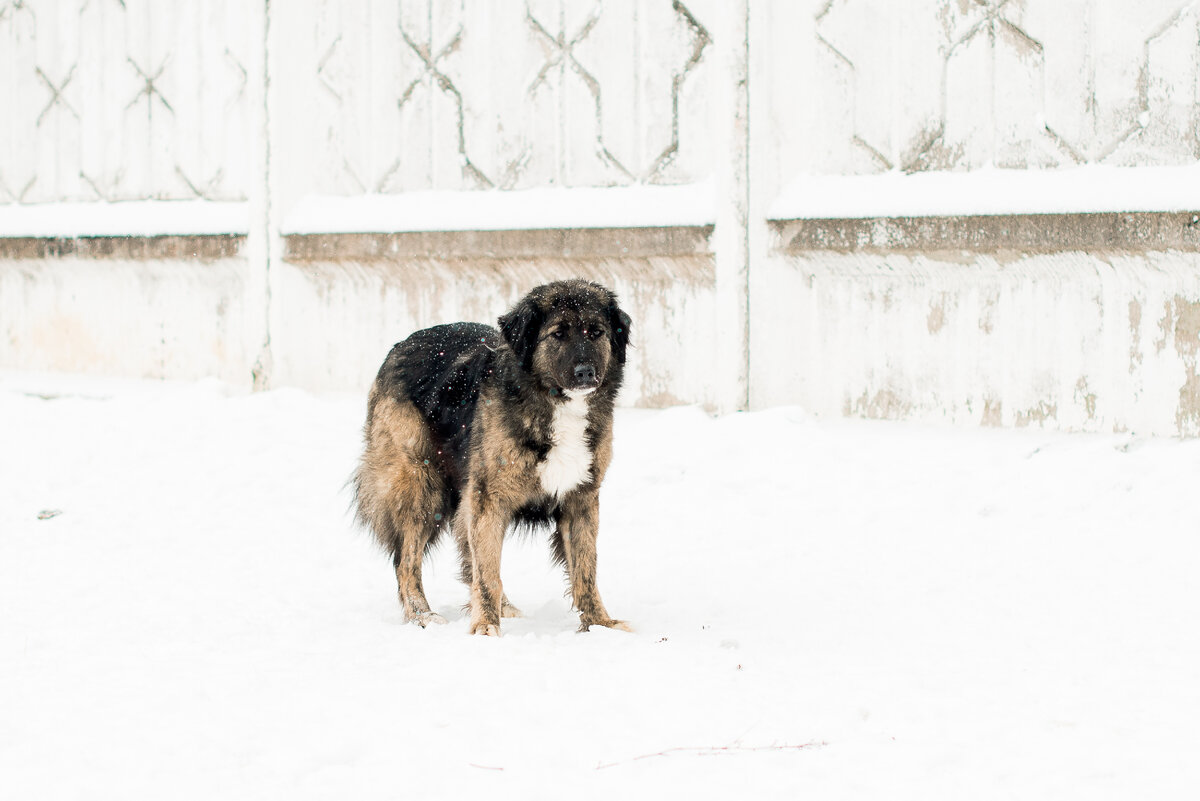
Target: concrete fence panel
<point>973,212</point>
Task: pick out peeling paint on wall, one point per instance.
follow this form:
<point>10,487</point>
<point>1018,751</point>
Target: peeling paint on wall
<point>1088,399</point>
<point>1187,345</point>
<point>1038,414</point>
<point>937,316</point>
<point>992,410</point>
<point>1135,335</point>
<point>885,404</point>
<point>1187,326</point>
<point>987,316</point>
<point>1165,324</point>
<point>1188,418</point>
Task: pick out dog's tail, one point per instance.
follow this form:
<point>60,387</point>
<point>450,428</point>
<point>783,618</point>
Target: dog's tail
<point>370,511</point>
<point>399,494</point>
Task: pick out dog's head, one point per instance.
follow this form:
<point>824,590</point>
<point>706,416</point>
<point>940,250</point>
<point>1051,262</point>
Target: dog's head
<point>571,335</point>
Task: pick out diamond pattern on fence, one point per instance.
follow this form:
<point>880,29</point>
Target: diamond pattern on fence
<point>480,95</point>
<point>953,84</point>
<point>123,100</point>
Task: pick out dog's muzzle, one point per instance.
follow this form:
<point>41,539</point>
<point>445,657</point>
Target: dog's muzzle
<point>585,375</point>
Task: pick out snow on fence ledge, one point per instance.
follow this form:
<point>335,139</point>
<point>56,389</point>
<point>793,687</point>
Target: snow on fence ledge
<point>134,218</point>
<point>1086,208</point>
<point>686,205</point>
<point>590,222</point>
<point>990,192</point>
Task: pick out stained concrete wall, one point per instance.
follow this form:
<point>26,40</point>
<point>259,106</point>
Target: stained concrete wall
<point>1011,332</point>
<point>1069,320</point>
<point>370,289</point>
<point>161,307</point>
<point>260,108</point>
<point>1074,321</point>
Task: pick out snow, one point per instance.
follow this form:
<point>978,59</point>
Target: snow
<point>132,218</point>
<point>1077,190</point>
<point>894,194</point>
<point>824,609</point>
<point>643,206</point>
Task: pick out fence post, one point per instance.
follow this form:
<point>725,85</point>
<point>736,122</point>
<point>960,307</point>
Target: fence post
<point>263,246</point>
<point>730,237</point>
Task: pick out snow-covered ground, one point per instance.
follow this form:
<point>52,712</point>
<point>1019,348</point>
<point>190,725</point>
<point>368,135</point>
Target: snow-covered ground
<point>824,609</point>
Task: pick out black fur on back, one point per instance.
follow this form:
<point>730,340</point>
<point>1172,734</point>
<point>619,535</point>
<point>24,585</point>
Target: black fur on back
<point>440,370</point>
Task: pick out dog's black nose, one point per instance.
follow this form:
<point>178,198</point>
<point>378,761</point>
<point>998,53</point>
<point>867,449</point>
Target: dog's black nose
<point>585,373</point>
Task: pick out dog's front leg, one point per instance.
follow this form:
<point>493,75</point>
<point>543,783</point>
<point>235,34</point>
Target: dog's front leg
<point>485,526</point>
<point>579,526</point>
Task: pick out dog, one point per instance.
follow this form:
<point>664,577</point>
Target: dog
<point>475,430</point>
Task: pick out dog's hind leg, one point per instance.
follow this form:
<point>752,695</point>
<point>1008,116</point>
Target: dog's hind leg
<point>413,540</point>
<point>401,496</point>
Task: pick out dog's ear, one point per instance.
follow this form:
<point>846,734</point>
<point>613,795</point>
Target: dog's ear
<point>618,321</point>
<point>520,328</point>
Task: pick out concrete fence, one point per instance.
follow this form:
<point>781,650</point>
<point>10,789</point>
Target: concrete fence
<point>976,212</point>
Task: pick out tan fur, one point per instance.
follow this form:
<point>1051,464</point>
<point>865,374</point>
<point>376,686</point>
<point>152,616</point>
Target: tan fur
<point>502,479</point>
<point>509,473</point>
<point>398,491</point>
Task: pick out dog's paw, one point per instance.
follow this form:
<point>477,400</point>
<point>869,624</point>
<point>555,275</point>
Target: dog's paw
<point>619,625</point>
<point>508,610</point>
<point>485,629</point>
<point>423,619</point>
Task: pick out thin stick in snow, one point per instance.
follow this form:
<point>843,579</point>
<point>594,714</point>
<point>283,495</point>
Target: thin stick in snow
<point>714,750</point>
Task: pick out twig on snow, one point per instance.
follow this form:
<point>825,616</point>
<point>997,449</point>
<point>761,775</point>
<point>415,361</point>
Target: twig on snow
<point>714,750</point>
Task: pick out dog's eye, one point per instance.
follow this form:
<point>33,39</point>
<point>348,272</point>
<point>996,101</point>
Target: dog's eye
<point>595,333</point>
<point>559,333</point>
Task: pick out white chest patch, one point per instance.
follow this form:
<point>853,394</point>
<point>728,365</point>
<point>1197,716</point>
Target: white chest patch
<point>569,462</point>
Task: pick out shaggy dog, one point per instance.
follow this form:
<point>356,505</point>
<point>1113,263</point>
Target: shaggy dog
<point>475,430</point>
